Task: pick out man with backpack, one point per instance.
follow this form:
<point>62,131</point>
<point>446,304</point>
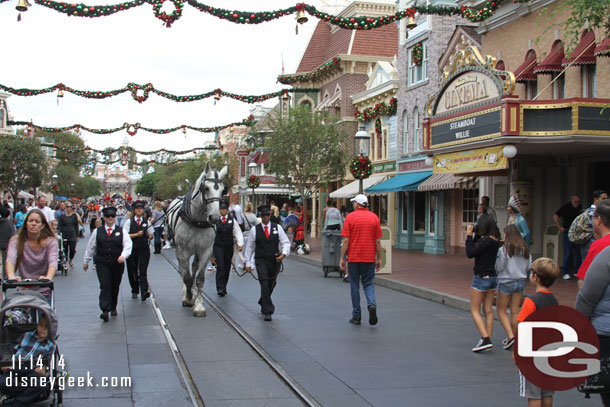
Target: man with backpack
<point>581,230</point>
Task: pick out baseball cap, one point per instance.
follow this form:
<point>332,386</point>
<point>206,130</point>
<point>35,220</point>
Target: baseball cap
<point>360,199</point>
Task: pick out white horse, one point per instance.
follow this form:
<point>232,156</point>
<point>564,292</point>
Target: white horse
<point>190,222</point>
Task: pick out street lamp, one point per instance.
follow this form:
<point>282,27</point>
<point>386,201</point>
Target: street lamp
<point>362,139</point>
<point>252,166</point>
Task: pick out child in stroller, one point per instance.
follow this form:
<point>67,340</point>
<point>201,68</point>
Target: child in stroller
<point>28,348</point>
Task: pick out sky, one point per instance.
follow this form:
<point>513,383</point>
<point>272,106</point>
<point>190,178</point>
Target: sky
<point>199,53</point>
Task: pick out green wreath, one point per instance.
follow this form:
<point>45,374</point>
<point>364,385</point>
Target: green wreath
<point>254,181</point>
<point>168,20</point>
<point>361,167</point>
<point>417,55</point>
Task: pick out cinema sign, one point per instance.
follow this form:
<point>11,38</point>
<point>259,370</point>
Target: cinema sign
<point>467,89</point>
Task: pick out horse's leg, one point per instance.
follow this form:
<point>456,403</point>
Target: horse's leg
<point>187,280</point>
<point>199,310</point>
<point>194,268</point>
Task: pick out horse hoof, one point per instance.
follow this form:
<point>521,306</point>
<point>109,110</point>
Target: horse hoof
<point>186,304</point>
<point>199,313</point>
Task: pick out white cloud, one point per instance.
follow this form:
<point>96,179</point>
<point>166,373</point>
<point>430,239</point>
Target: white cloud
<point>197,54</point>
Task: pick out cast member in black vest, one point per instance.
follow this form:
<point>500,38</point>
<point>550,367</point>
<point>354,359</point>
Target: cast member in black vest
<point>227,229</point>
<point>140,231</point>
<point>267,246</point>
<point>108,246</point>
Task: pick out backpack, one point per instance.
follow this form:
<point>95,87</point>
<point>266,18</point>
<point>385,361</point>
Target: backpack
<point>581,230</point>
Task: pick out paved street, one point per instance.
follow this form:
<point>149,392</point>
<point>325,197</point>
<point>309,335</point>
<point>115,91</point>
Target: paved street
<point>418,355</point>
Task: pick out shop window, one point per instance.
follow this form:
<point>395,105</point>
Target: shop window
<point>559,86</point>
<point>588,79</point>
<point>405,211</point>
<point>418,73</point>
<point>432,219</point>
<point>419,212</point>
<point>405,132</point>
<point>531,89</point>
<point>416,129</point>
<point>470,203</point>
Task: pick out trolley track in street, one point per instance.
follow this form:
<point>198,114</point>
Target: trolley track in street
<point>195,396</point>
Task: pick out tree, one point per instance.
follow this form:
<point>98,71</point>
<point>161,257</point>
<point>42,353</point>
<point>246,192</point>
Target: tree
<point>88,186</point>
<point>22,164</point>
<point>308,149</point>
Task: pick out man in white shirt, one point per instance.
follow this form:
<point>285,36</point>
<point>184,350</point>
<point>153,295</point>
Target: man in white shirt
<point>267,246</point>
<point>141,231</point>
<point>227,231</point>
<point>42,206</point>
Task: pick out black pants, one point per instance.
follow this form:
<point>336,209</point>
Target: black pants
<point>267,277</point>
<point>223,255</point>
<point>109,276</point>
<point>137,269</point>
<point>22,395</point>
<point>70,249</point>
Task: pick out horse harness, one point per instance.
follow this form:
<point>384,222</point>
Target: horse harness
<point>185,211</point>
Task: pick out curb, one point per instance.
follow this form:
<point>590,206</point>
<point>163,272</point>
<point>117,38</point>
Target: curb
<point>414,290</point>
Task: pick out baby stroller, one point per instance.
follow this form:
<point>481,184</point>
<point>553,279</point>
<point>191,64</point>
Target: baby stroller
<point>19,314</point>
<point>62,261</point>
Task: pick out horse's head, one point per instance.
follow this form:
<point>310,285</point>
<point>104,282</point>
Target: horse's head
<point>210,188</point>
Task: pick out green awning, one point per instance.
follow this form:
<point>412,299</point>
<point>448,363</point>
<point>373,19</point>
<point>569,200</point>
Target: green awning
<point>402,182</point>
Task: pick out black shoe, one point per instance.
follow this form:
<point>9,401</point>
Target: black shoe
<point>267,317</point>
<point>483,344</point>
<point>134,295</point>
<point>145,295</point>
<point>104,316</point>
<point>372,315</point>
<point>113,312</point>
<point>355,321</point>
<point>508,343</point>
<point>222,293</point>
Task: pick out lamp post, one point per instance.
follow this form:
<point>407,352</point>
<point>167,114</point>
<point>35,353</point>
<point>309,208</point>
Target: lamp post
<point>362,139</point>
<point>252,166</point>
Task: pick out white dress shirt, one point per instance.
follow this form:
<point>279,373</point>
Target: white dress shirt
<point>237,234</point>
<point>284,244</point>
<point>92,244</point>
<point>149,230</point>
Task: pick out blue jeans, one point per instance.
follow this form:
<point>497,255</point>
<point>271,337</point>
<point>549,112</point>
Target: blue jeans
<point>366,273</point>
<point>158,234</point>
<point>570,248</point>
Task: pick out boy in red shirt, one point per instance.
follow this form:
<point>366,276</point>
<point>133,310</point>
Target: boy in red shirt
<point>543,273</point>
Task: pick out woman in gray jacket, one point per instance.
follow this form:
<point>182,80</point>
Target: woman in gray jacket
<point>512,265</point>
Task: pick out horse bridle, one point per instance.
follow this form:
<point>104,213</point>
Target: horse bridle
<point>185,208</point>
<point>216,181</point>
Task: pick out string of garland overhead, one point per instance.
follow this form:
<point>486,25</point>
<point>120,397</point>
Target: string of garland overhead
<point>138,164</point>
<point>124,150</point>
<point>288,79</point>
<point>140,93</point>
<point>132,129</point>
<point>250,17</point>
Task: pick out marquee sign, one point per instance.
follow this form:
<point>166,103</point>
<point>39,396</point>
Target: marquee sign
<point>479,160</point>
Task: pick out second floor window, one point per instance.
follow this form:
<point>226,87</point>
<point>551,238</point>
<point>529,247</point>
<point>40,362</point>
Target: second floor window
<point>405,133</point>
<point>418,64</point>
<point>415,129</point>
<point>559,86</point>
<point>587,74</point>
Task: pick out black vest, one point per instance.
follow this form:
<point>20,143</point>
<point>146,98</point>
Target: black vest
<point>224,231</point>
<point>140,241</point>
<point>542,300</point>
<point>266,248</point>
<point>108,248</point>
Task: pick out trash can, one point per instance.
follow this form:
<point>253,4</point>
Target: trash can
<point>331,252</point>
<point>386,255</point>
<point>551,243</point>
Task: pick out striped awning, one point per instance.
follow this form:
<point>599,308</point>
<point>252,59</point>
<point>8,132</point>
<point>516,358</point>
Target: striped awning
<point>439,182</point>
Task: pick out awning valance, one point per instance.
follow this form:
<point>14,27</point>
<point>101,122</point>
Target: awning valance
<point>440,182</point>
<point>24,195</point>
<point>525,71</point>
<point>351,190</point>
<point>603,49</point>
<point>401,182</point>
<point>552,63</point>
<point>271,190</point>
<point>584,52</point>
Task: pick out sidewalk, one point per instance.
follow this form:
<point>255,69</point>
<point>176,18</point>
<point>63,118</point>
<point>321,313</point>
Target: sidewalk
<point>444,278</point>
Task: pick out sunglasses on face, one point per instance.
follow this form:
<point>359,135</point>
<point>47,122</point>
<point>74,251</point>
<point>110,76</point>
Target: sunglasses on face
<point>110,216</point>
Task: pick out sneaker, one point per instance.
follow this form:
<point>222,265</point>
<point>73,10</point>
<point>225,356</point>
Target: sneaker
<point>355,321</point>
<point>508,343</point>
<point>483,344</point>
<point>372,315</point>
<point>566,277</point>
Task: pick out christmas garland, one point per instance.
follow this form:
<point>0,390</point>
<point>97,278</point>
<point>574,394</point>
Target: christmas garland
<point>131,129</point>
<point>253,181</point>
<point>378,127</point>
<point>380,109</point>
<point>249,17</point>
<point>140,93</point>
<point>417,55</point>
<point>361,167</point>
<point>289,79</point>
<point>123,150</point>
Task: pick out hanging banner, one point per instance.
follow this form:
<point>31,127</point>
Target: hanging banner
<point>481,159</point>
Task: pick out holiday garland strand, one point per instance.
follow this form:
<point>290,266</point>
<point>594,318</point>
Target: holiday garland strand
<point>132,129</point>
<point>249,17</point>
<point>380,109</point>
<point>361,167</point>
<point>124,150</point>
<point>417,55</point>
<point>288,79</point>
<point>145,90</point>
